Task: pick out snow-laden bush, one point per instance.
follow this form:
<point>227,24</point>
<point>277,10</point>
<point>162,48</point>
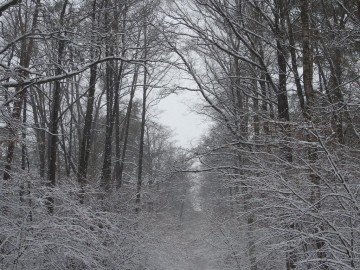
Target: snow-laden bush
<point>76,236</point>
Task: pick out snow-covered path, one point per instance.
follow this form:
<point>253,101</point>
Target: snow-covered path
<point>186,244</point>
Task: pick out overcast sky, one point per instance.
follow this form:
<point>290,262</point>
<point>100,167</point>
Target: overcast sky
<point>176,111</point>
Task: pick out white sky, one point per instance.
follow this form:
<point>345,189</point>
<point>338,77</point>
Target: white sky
<point>175,111</point>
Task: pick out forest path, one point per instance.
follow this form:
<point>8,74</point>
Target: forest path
<point>186,243</point>
<point>195,233</point>
<point>185,246</point>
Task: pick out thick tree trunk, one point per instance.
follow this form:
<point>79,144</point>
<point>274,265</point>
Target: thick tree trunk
<point>283,105</point>
<point>283,109</point>
<point>106,169</point>
<point>109,86</point>
<point>294,66</point>
<point>54,121</point>
<point>119,133</point>
<point>85,141</point>
<point>85,144</point>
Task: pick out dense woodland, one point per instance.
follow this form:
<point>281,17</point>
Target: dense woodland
<point>90,179</point>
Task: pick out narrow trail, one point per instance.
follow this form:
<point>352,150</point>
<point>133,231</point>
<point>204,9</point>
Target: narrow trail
<point>196,235</point>
<point>187,245</point>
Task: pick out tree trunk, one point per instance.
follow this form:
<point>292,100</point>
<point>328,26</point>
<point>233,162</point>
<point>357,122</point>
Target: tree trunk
<point>54,121</point>
<point>24,157</point>
<point>283,108</point>
<point>85,142</point>
<point>109,86</point>
<point>142,131</point>
<point>308,60</point>
<point>40,126</point>
<point>119,133</point>
<point>25,57</point>
<point>126,127</point>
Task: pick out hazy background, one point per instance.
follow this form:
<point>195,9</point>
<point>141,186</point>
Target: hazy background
<point>177,111</point>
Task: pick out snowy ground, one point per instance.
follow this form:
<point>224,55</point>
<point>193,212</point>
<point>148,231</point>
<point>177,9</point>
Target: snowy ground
<point>187,244</point>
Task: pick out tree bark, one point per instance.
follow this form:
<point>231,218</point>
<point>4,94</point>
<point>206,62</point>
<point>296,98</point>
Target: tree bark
<point>143,119</point>
<point>119,133</point>
<point>85,142</point>
<point>126,127</point>
<point>109,86</point>
<point>54,121</point>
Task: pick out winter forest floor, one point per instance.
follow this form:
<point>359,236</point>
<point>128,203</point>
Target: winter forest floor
<point>187,245</point>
